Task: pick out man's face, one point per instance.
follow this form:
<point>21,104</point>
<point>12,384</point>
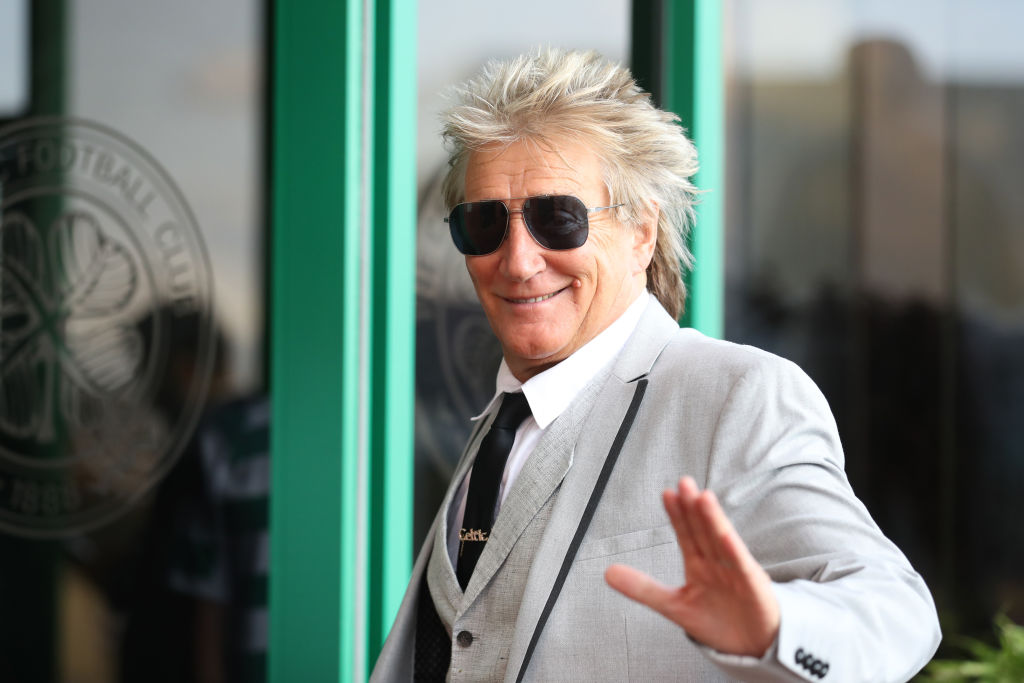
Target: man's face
<point>543,305</point>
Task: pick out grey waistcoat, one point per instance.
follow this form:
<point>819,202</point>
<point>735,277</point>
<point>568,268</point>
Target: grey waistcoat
<point>490,605</point>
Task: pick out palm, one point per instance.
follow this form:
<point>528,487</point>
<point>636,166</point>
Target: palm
<point>727,601</point>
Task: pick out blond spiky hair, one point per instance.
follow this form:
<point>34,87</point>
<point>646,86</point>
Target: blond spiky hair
<point>553,94</point>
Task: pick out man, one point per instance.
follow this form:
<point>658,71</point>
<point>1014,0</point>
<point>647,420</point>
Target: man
<point>571,196</point>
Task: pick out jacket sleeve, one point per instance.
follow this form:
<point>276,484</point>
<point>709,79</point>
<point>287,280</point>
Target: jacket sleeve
<point>852,608</point>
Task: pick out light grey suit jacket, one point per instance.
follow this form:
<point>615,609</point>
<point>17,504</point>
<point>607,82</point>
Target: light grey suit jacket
<point>753,428</point>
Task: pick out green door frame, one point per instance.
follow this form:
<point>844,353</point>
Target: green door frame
<point>677,57</point>
<point>343,215</point>
<point>342,299</point>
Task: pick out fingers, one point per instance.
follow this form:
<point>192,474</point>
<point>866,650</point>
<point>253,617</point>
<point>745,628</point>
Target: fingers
<point>703,529</point>
<point>730,550</point>
<point>698,521</point>
<point>702,508</point>
<point>638,586</point>
<point>677,515</point>
<point>735,552</point>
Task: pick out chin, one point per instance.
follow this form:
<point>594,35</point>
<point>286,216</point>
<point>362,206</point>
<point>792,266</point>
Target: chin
<point>537,356</point>
<point>532,352</point>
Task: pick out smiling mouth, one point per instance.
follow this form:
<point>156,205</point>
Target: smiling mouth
<point>536,299</point>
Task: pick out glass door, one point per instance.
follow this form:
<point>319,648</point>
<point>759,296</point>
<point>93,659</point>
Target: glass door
<point>131,340</point>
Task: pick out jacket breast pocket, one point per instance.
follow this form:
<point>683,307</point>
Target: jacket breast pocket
<point>625,543</point>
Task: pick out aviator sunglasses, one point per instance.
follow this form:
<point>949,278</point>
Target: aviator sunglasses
<point>556,222</point>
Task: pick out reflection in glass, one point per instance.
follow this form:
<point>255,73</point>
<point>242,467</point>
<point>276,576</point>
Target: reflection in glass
<point>874,237</point>
<point>131,308</point>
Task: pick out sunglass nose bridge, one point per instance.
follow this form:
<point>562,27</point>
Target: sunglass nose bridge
<point>527,230</point>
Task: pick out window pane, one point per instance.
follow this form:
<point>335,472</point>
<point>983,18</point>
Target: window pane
<point>132,310</point>
<point>874,237</point>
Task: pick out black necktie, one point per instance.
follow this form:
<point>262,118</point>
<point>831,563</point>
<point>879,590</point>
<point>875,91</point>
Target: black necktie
<point>433,645</point>
<point>484,482</point>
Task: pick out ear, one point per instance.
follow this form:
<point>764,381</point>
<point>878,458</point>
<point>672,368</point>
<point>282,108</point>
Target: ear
<point>645,235</point>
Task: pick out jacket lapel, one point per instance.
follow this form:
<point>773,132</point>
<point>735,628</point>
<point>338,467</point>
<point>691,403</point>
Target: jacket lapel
<point>541,475</point>
<point>396,658</point>
<point>443,577</point>
<point>592,442</point>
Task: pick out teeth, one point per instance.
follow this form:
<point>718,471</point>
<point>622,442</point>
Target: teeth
<point>534,300</point>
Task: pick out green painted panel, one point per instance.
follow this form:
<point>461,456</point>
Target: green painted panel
<point>343,324</point>
<point>353,521</point>
<point>394,315</point>
<point>313,356</point>
<point>678,55</point>
<point>709,128</point>
<point>677,46</point>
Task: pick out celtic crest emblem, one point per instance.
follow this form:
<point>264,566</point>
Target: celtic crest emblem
<point>65,342</point>
<point>103,279</point>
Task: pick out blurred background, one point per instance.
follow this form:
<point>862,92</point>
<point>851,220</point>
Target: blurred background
<point>871,230</point>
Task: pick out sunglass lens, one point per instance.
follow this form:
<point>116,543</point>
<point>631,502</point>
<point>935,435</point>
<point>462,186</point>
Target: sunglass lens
<point>557,222</point>
<point>478,227</point>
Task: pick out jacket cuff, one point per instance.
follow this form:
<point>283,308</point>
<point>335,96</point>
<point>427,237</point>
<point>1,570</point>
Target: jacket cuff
<point>785,659</point>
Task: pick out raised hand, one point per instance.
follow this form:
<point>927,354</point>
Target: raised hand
<point>727,601</point>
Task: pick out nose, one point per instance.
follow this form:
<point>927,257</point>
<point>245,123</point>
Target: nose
<point>521,256</point>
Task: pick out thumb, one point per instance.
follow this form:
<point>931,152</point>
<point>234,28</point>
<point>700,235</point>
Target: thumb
<point>638,586</point>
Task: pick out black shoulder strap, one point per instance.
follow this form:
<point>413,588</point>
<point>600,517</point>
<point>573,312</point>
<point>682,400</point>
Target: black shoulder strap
<point>588,514</point>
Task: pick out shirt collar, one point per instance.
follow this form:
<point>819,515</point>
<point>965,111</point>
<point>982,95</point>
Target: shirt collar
<point>550,392</point>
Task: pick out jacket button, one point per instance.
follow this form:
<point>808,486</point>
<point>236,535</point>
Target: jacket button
<point>464,639</point>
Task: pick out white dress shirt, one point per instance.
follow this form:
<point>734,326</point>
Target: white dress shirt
<point>549,393</point>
